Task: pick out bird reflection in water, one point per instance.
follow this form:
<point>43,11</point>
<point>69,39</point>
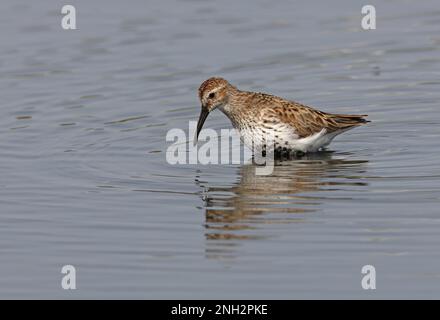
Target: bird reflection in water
<point>289,195</point>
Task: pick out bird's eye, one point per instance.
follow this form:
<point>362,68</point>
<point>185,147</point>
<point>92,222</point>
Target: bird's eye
<point>211,95</point>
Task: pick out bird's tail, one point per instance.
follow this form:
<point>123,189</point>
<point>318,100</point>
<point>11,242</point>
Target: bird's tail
<point>349,120</point>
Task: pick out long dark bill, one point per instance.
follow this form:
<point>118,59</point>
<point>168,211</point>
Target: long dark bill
<point>203,115</point>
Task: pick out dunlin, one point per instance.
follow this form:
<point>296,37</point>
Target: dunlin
<point>294,127</point>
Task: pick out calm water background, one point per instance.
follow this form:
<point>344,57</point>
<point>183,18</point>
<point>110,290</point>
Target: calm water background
<point>83,176</point>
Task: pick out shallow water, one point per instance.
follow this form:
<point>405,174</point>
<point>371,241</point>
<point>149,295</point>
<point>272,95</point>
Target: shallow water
<point>84,180</point>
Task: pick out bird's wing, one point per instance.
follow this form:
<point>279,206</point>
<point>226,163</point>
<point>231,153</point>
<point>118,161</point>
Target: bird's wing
<point>307,121</point>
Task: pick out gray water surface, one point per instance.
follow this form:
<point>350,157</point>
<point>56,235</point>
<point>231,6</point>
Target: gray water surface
<point>83,172</point>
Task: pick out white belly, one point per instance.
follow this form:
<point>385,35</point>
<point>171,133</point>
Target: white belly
<point>284,136</point>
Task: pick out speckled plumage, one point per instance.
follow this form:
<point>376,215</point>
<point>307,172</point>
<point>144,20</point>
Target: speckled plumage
<point>293,126</point>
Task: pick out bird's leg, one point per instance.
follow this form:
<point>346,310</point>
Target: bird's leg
<point>299,153</point>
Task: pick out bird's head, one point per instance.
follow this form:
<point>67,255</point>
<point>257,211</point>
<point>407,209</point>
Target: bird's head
<point>213,93</point>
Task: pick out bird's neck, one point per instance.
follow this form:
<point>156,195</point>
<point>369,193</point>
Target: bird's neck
<point>234,109</point>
